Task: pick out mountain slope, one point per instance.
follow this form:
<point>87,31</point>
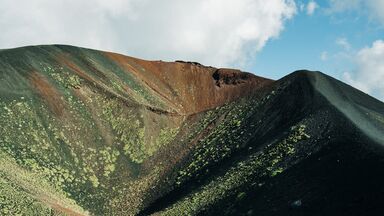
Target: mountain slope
<point>305,157</point>
<point>106,134</point>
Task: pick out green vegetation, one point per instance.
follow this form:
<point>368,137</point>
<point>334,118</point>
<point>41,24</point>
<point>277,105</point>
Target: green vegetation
<point>131,131</point>
<point>109,157</point>
<point>65,78</point>
<point>24,192</point>
<point>14,201</point>
<point>231,133</point>
<point>267,163</point>
<point>165,136</point>
<point>71,154</point>
<point>90,137</point>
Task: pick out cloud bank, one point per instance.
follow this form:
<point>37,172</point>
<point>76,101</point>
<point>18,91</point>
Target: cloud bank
<point>214,32</point>
<point>369,74</point>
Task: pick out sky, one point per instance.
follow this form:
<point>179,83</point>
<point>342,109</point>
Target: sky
<point>342,38</point>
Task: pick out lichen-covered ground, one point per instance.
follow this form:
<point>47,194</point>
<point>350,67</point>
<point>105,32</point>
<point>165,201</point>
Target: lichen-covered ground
<point>86,132</point>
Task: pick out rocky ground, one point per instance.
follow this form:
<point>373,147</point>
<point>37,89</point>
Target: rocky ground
<point>87,132</point>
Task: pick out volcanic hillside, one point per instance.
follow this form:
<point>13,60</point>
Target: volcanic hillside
<point>85,132</point>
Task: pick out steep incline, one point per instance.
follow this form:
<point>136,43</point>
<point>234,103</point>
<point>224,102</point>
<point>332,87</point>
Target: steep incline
<point>190,87</point>
<point>93,123</point>
<point>364,111</point>
<point>302,155</point>
<point>90,132</point>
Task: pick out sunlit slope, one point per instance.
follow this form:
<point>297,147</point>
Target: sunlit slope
<point>92,123</point>
<point>91,132</point>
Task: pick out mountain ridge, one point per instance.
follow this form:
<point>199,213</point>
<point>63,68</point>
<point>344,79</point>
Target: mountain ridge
<point>118,135</point>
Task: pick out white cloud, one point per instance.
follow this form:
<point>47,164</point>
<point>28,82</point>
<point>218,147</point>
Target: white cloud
<point>216,32</point>
<point>311,7</point>
<point>337,6</point>
<point>377,7</point>
<point>372,8</point>
<point>344,43</point>
<point>369,74</point>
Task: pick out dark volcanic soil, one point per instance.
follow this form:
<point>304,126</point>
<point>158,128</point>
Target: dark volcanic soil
<point>95,133</point>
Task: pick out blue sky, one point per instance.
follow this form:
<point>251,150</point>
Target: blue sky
<point>327,41</point>
<point>322,41</point>
<point>271,38</point>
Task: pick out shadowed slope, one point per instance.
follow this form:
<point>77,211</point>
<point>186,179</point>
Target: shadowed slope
<point>272,171</point>
<point>334,172</point>
<point>362,110</point>
<point>107,134</point>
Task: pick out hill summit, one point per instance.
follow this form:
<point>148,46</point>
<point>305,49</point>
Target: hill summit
<point>86,132</point>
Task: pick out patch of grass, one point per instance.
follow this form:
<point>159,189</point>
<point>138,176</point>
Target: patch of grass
<point>229,135</point>
<point>65,78</point>
<point>268,163</point>
<point>24,192</point>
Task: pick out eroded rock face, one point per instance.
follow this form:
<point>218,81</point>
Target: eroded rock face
<point>188,87</point>
<point>231,77</point>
